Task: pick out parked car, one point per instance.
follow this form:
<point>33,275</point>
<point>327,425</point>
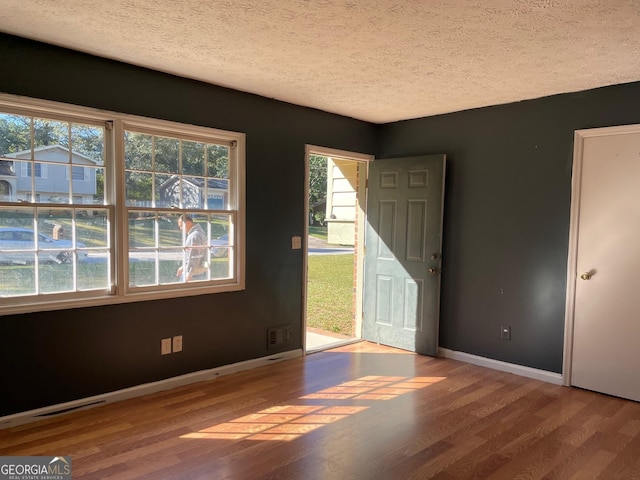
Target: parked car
<point>222,242</point>
<point>49,249</point>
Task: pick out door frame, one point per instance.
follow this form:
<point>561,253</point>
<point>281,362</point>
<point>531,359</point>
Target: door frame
<point>361,218</point>
<point>572,272</point>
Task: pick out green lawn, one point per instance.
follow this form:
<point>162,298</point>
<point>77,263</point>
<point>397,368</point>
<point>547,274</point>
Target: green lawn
<point>318,232</point>
<point>330,293</point>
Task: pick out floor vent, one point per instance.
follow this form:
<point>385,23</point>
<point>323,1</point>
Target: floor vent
<point>277,336</point>
<point>70,409</point>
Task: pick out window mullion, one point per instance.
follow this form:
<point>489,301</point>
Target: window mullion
<point>119,223</point>
<point>69,165</point>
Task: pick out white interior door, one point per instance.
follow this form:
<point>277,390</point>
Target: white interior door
<point>606,327</point>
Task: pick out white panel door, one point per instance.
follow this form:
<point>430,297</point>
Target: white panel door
<point>403,243</point>
<point>606,337</point>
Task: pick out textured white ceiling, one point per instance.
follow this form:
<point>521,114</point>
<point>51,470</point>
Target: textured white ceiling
<point>375,60</point>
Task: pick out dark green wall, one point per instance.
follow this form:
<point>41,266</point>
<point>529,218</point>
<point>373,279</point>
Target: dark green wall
<point>58,356</point>
<point>505,245</point>
<point>506,227</point>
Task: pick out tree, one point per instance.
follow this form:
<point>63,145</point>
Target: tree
<point>317,178</point>
<point>317,184</point>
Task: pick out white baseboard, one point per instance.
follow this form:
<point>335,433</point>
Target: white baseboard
<point>144,389</point>
<point>543,375</point>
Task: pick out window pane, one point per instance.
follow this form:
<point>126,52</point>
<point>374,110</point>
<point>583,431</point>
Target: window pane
<point>92,227</point>
<point>167,188</point>
<point>56,277</point>
<point>193,192</point>
<point>23,185</point>
<point>55,228</point>
<point>217,161</point>
<point>142,249</point>
<point>51,184</point>
<point>17,275</point>
<point>93,272</point>
<point>137,151</point>
<point>222,246</point>
<point>141,273</point>
<point>220,265</point>
<point>166,154</point>
<point>20,217</point>
<point>168,231</point>
<point>170,261</point>
<point>139,189</point>
<point>98,198</point>
<point>142,230</point>
<point>88,185</point>
<point>193,158</point>
<point>87,144</point>
<point>155,248</point>
<point>15,135</point>
<point>50,133</point>
<point>217,194</point>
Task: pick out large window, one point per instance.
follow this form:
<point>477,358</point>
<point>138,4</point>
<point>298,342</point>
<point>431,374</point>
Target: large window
<point>98,207</point>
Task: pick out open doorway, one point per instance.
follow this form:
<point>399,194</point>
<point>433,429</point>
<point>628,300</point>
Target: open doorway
<point>335,194</point>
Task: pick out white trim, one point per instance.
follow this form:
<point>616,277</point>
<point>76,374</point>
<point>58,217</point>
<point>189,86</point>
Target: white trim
<point>140,390</point>
<point>523,371</point>
<point>572,256</point>
<point>342,154</point>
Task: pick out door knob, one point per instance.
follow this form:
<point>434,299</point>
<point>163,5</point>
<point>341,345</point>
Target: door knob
<point>432,270</point>
<point>587,276</point>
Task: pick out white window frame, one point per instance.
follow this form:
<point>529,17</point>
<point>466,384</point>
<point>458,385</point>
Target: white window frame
<point>119,292</point>
<point>27,165</point>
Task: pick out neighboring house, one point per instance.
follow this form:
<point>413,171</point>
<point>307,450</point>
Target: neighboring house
<point>215,196</point>
<point>51,174</point>
<point>7,179</point>
<point>342,201</point>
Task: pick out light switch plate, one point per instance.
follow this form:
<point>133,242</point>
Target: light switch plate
<point>296,243</point>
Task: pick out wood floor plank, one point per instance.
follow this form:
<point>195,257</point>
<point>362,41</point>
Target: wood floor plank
<point>362,411</point>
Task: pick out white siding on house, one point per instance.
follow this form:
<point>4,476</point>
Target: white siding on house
<point>342,188</point>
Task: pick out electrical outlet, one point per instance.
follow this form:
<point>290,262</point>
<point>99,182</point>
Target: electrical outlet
<point>177,343</point>
<point>165,346</point>
<point>505,332</point>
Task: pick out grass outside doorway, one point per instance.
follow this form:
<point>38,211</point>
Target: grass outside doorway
<point>330,293</point>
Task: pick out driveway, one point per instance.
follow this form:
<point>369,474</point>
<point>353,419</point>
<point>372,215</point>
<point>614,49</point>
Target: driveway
<point>320,247</point>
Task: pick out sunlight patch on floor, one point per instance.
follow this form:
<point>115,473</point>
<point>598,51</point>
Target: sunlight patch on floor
<point>288,422</point>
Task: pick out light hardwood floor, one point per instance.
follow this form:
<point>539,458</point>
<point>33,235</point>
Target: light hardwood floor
<point>355,412</point>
